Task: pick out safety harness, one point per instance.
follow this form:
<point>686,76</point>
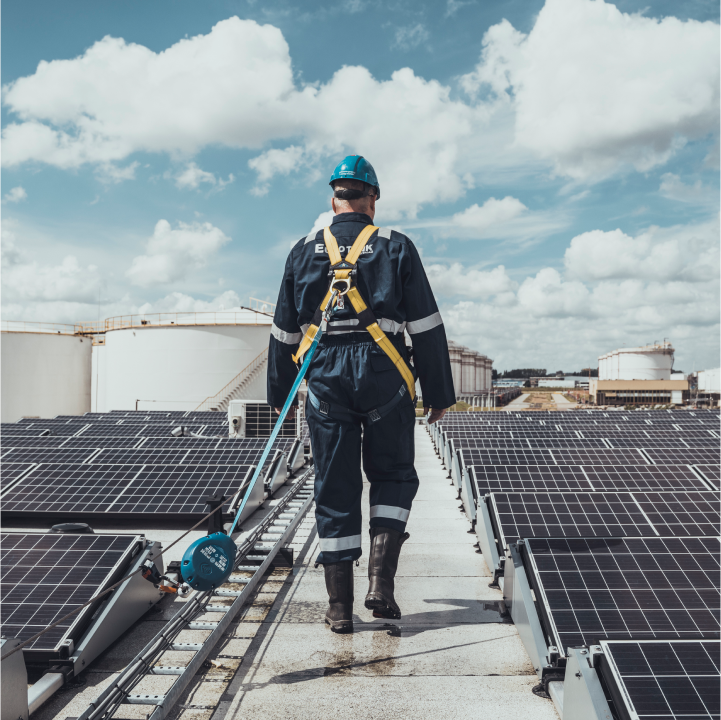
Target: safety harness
<point>343,274</point>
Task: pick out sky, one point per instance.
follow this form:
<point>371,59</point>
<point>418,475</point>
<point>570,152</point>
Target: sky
<point>556,162</point>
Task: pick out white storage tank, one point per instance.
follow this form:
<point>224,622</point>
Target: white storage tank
<point>45,371</point>
<point>455,352</point>
<point>489,373</point>
<point>480,373</point>
<point>468,366</point>
<point>175,364</point>
<point>650,362</point>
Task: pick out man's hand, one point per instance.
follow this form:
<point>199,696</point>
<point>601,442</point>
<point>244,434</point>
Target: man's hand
<point>436,414</point>
<point>291,412</point>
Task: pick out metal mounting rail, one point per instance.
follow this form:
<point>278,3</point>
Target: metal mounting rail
<point>260,547</point>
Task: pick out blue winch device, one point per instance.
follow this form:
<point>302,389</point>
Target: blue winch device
<point>208,562</point>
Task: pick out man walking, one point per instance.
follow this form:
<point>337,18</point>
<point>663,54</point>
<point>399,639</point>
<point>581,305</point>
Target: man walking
<point>361,382</point>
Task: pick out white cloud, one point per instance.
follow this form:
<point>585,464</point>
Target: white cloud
<point>453,6</point>
<point>673,188</point>
<point>111,174</point>
<point>615,291</point>
<point>410,36</point>
<point>274,162</point>
<point>16,194</point>
<point>323,220</point>
<point>507,219</point>
<point>596,90</point>
<point>193,176</point>
<point>181,303</point>
<point>493,212</point>
<point>234,87</point>
<point>25,280</point>
<point>455,280</point>
<point>172,254</point>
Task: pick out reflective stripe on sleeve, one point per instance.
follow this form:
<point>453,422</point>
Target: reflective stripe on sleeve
<point>384,233</point>
<point>391,512</point>
<point>426,323</point>
<point>390,326</point>
<point>341,543</point>
<point>309,238</point>
<point>285,337</point>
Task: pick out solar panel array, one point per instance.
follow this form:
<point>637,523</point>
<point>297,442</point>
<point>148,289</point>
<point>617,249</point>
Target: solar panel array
<point>616,515</point>
<point>46,576</point>
<point>125,464</point>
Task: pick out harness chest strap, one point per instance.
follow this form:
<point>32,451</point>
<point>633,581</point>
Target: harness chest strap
<point>366,319</point>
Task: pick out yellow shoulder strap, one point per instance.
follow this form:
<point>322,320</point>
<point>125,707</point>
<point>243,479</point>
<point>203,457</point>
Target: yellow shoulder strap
<point>359,305</point>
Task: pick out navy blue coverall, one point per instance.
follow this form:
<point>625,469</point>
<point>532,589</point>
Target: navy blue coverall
<point>351,371</point>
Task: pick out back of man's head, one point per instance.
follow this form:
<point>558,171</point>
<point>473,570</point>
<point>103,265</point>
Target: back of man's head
<point>352,196</point>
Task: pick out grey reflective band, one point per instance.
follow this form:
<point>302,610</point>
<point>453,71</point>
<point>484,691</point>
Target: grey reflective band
<point>424,324</point>
<point>384,233</point>
<point>391,512</point>
<point>391,326</point>
<point>341,543</point>
<point>343,323</point>
<point>310,238</point>
<point>285,337</point>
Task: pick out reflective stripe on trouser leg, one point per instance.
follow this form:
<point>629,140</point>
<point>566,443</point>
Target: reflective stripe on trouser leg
<point>338,486</point>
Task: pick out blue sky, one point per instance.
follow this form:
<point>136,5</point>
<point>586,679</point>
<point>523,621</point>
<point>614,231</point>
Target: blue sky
<point>556,162</point>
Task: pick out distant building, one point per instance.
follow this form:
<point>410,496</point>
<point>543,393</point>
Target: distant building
<point>639,376</point>
<point>472,371</point>
<point>509,382</point>
<point>707,386</point>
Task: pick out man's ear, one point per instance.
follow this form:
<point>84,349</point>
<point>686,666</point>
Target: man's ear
<point>332,204</point>
<point>373,203</point>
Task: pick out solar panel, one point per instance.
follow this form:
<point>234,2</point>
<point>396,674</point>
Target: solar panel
<point>11,471</point>
<point>623,441</point>
<point>96,491</point>
<point>660,679</point>
<point>566,514</point>
<point>591,456</point>
<point>634,478</point>
<point>36,455</point>
<point>99,441</point>
<point>683,456</point>
<point>712,473</point>
<point>650,588</point>
<point>682,513</point>
<point>32,441</point>
<point>44,577</point>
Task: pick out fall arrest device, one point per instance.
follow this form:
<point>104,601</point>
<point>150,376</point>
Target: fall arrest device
<point>209,561</point>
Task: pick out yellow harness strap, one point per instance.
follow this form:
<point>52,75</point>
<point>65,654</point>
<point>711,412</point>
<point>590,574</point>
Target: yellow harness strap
<point>365,315</point>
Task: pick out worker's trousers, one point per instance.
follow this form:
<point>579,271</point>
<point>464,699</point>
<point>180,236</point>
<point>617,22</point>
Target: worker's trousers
<point>353,372</point>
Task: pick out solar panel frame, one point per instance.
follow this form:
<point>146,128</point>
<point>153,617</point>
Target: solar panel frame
<point>625,588</point>
<point>45,576</point>
<point>552,456</point>
<point>711,473</point>
<point>682,456</point>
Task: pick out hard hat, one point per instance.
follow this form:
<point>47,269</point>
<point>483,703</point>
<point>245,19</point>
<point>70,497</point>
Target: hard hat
<point>356,167</point>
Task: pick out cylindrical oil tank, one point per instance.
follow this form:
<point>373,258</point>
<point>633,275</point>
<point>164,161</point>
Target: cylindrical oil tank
<point>650,362</point>
<point>468,367</point>
<point>455,352</point>
<point>480,373</point>
<point>489,374</point>
<point>45,374</point>
<point>176,367</point>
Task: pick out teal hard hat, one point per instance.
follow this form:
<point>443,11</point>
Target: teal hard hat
<point>356,167</point>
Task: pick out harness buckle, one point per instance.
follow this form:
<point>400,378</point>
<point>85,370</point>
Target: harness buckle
<point>324,407</point>
<point>374,416</point>
<point>341,285</point>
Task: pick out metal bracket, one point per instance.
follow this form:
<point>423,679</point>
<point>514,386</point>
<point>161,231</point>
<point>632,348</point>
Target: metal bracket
<point>487,540</point>
<point>583,696</point>
<point>519,601</point>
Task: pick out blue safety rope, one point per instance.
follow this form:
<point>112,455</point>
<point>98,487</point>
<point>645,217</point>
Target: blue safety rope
<point>330,309</point>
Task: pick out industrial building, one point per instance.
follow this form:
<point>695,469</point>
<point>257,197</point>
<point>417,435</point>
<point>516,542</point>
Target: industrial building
<point>706,387</point>
<point>639,376</point>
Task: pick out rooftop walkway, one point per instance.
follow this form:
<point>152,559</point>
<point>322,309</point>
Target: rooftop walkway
<point>451,655</point>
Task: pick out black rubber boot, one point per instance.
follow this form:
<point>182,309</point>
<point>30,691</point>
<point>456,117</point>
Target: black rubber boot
<point>382,566</point>
<point>339,583</point>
